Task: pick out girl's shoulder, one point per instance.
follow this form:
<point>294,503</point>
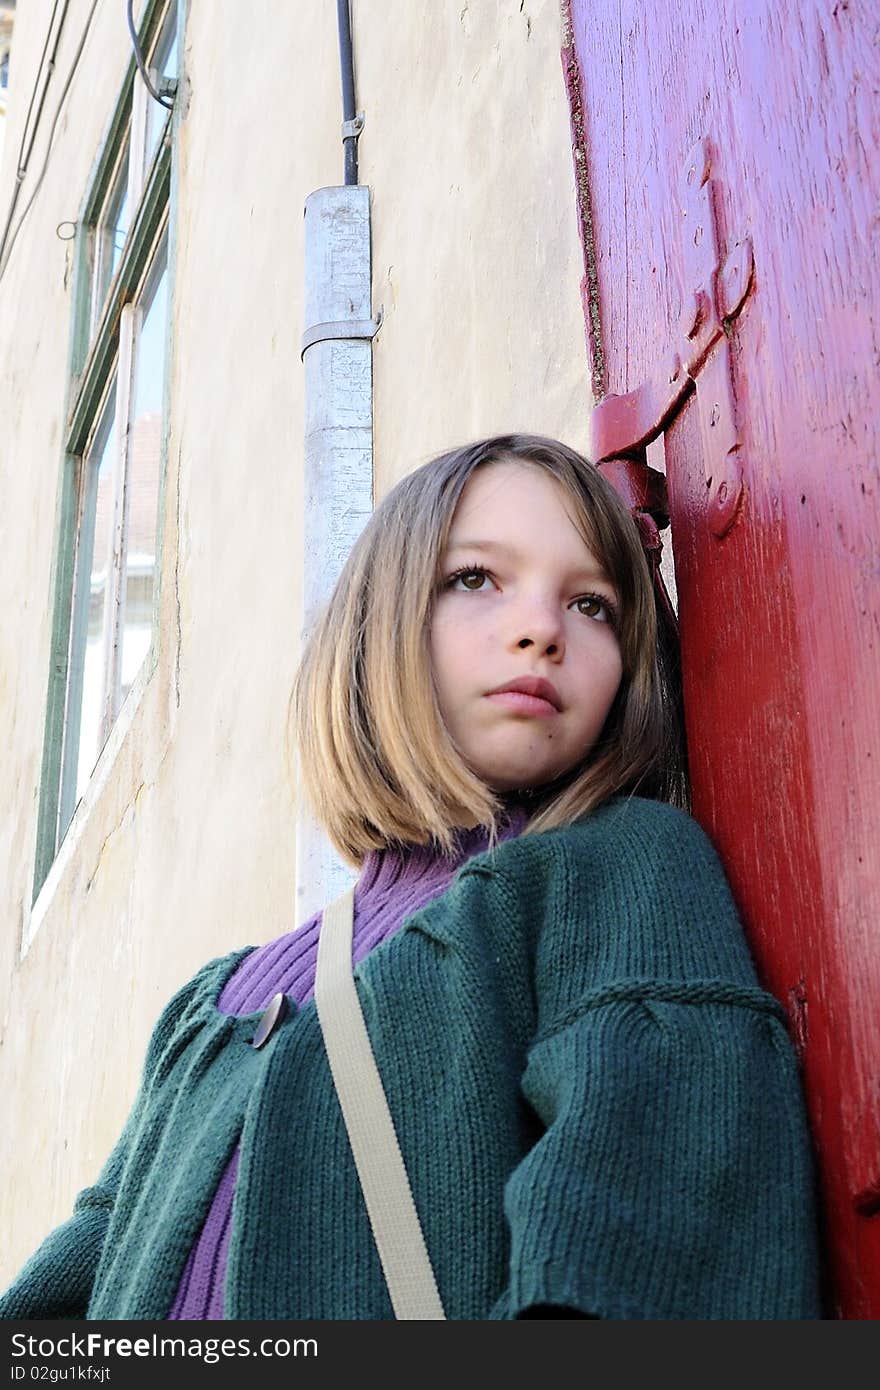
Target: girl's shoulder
<point>649,836</point>
<point>194,1003</point>
<point>634,889</point>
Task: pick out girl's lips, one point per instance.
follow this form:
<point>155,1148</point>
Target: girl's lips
<point>519,703</point>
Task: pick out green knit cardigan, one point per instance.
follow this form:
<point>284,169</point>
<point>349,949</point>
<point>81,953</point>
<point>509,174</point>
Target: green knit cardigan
<point>598,1108</point>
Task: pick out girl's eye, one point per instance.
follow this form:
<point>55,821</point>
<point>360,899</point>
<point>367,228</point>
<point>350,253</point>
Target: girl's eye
<point>591,605</point>
<point>594,606</point>
<point>467,573</point>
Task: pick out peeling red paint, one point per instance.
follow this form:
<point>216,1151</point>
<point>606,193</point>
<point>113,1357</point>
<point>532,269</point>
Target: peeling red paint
<point>780,613</point>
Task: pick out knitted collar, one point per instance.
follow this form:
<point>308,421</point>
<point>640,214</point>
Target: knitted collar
<point>409,868</point>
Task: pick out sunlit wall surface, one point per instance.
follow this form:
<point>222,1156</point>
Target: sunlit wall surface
<point>181,844</point>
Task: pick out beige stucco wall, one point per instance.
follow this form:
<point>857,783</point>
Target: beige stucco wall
<point>183,847</point>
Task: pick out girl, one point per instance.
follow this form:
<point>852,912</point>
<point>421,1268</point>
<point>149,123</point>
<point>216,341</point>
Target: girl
<point>598,1107</point>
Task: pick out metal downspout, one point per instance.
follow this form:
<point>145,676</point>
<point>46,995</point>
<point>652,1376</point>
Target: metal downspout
<point>338,444</point>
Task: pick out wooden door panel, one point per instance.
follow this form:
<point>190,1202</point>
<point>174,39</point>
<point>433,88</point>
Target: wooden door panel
<point>780,619</point>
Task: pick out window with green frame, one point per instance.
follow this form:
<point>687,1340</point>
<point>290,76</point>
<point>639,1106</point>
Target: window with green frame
<point>106,579</point>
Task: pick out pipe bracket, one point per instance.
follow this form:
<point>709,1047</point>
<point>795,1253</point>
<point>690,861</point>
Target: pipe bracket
<point>352,129</point>
<point>341,328</point>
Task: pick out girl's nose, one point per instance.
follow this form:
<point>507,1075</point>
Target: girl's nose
<point>539,626</point>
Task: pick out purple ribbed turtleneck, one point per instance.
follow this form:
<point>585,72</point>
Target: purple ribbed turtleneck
<point>393,883</point>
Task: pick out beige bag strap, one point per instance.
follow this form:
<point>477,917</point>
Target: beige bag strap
<point>377,1156</point>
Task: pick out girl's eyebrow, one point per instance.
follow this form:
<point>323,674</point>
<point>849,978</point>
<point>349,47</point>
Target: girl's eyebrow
<point>502,548</point>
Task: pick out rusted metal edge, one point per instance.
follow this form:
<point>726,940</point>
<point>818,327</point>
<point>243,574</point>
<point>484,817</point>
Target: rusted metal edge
<point>590,280</point>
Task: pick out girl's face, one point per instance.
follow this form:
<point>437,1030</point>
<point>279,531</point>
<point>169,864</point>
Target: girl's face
<point>522,596</point>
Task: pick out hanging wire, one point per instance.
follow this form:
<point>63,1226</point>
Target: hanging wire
<point>139,59</point>
<point>21,166</point>
<point>27,207</point>
<point>23,159</point>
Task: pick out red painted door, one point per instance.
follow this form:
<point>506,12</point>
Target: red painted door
<point>729,187</point>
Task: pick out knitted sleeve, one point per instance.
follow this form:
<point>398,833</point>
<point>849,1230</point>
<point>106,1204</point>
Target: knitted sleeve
<point>674,1176</point>
<point>56,1282</point>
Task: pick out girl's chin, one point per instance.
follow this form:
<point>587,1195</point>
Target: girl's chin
<point>528,786</point>
<point>529,783</point>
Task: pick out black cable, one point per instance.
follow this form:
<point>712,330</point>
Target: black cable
<point>23,159</point>
<point>58,110</point>
<point>349,142</point>
<point>139,59</point>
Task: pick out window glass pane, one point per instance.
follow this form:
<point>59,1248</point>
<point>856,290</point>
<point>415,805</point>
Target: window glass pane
<point>110,235</point>
<point>143,472</point>
<point>162,64</point>
<point>93,567</point>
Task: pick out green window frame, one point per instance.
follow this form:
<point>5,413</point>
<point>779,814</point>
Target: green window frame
<point>121,287</point>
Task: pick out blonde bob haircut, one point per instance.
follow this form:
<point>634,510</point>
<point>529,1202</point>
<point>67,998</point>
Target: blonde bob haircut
<point>376,760</point>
